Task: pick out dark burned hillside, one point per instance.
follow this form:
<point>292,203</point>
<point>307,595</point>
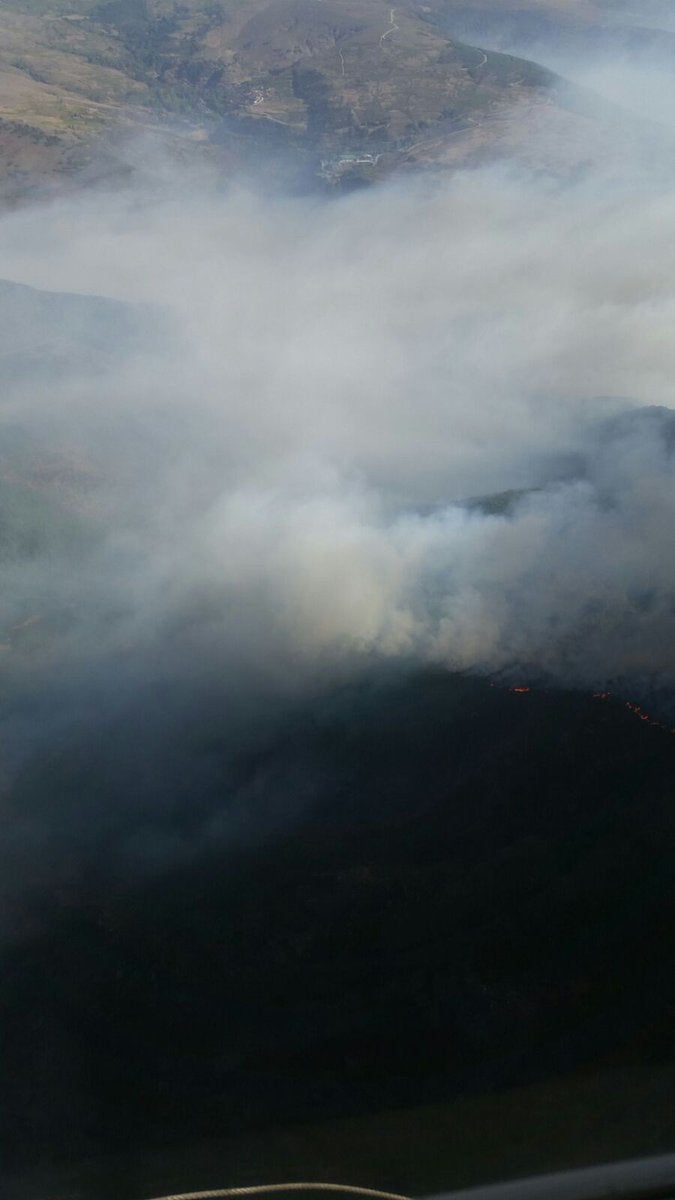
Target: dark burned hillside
<point>424,888</point>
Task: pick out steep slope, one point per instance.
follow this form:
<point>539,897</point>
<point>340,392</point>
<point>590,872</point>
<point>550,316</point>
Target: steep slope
<point>355,84</point>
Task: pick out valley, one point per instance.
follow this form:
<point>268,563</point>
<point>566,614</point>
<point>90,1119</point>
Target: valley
<point>354,84</point>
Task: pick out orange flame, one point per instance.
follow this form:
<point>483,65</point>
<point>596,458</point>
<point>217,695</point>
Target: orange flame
<point>639,712</point>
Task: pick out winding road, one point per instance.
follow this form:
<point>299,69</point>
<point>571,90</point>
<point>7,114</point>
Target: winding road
<point>392,26</point>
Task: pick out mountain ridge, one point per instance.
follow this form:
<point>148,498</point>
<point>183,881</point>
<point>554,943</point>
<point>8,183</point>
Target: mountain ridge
<point>364,87</point>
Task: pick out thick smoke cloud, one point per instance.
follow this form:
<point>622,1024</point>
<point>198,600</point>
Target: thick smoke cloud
<point>333,381</point>
<point>427,424</point>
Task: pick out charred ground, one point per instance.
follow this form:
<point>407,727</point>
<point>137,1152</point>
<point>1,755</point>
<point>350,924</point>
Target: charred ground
<point>414,889</point>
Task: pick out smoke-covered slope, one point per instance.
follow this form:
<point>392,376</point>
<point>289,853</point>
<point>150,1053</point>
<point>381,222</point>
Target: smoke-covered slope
<point>53,334</point>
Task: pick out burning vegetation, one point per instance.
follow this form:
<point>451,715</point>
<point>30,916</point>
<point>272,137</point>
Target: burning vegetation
<point>637,709</point>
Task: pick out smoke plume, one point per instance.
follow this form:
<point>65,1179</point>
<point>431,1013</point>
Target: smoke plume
<point>254,444</point>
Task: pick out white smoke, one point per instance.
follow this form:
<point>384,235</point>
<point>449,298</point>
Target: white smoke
<point>282,476</point>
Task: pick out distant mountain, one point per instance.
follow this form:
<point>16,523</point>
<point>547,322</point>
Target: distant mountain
<point>578,27</point>
<point>44,334</point>
<point>346,90</point>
